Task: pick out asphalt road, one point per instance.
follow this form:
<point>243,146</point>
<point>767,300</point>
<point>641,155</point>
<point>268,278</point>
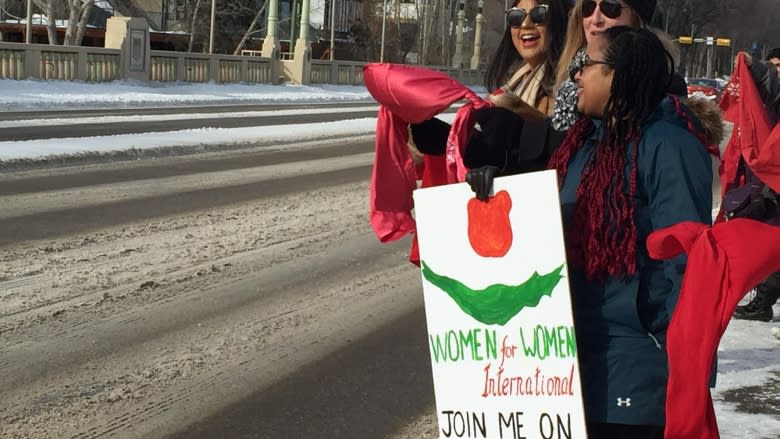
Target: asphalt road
<point>235,294</point>
<point>213,116</point>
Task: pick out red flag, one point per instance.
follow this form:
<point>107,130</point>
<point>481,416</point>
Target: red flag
<point>752,137</point>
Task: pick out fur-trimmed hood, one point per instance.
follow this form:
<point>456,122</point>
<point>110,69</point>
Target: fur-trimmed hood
<point>709,116</point>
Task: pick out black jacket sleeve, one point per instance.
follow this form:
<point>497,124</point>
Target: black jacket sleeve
<point>768,84</point>
<point>511,143</point>
<point>537,143</point>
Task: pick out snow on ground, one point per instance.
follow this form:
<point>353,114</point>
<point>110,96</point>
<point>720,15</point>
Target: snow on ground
<point>38,94</point>
<point>747,394</point>
<point>31,95</point>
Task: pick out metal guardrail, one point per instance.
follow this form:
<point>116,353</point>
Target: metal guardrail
<point>97,64</point>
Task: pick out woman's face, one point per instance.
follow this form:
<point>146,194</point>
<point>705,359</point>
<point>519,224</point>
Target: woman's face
<point>598,21</point>
<point>594,79</point>
<point>529,38</point>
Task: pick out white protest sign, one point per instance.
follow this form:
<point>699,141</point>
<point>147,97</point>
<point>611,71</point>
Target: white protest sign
<point>497,303</point>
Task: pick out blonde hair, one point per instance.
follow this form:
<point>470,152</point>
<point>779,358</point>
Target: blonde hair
<point>575,39</point>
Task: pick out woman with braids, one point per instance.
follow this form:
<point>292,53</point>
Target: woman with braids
<point>634,162</point>
<point>522,70</point>
<point>541,136</point>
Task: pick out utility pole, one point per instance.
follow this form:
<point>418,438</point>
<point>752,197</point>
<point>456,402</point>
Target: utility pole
<point>28,28</point>
<point>384,21</point>
<point>711,42</point>
<point>457,59</point>
<point>478,36</point>
<point>332,25</point>
<point>293,14</point>
<point>213,19</point>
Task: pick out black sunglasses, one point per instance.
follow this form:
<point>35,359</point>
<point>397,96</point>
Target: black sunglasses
<point>516,16</point>
<point>586,62</point>
<point>610,8</point>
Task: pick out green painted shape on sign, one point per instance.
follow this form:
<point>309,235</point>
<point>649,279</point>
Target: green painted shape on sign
<point>496,304</point>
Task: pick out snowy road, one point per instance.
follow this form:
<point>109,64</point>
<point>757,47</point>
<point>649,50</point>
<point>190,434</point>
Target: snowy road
<point>138,299</point>
<point>237,294</point>
<point>31,125</point>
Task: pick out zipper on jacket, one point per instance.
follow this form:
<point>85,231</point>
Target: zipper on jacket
<point>658,345</point>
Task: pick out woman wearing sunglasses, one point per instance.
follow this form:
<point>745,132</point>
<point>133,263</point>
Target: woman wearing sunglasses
<point>633,162</point>
<point>588,19</point>
<point>510,144</point>
<point>522,70</point>
<point>526,59</point>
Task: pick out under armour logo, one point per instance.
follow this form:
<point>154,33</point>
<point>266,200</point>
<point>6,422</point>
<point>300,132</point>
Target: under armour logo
<point>624,402</point>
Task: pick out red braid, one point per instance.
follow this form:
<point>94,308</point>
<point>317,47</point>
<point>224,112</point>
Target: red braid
<point>602,235</point>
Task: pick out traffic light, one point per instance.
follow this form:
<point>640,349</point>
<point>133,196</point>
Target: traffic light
<point>723,42</point>
<point>685,40</point>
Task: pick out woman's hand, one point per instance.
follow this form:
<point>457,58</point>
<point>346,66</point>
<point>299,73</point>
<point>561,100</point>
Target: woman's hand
<point>500,131</point>
<point>430,136</point>
<point>481,181</point>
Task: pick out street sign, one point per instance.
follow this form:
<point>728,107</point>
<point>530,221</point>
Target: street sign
<point>682,39</point>
<point>710,41</point>
<point>723,42</point>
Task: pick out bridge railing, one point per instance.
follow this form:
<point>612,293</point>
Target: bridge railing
<point>96,64</point>
<point>169,66</point>
<point>41,61</point>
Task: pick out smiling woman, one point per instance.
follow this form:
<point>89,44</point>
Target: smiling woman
<point>633,163</point>
<point>526,59</point>
<point>589,18</point>
<point>521,71</point>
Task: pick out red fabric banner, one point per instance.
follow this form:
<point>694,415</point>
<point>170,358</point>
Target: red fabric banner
<point>723,264</point>
<point>752,137</point>
<point>409,95</point>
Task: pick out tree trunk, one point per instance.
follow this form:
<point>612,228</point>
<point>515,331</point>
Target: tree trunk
<point>82,25</point>
<point>74,7</point>
<point>192,25</point>
<point>251,28</point>
<point>51,22</point>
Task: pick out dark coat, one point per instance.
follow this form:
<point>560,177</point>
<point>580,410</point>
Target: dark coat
<point>621,323</point>
<point>768,83</point>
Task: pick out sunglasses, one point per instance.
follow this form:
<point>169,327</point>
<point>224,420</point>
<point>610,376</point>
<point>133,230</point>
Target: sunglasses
<point>586,62</point>
<point>516,16</point>
<point>610,8</point>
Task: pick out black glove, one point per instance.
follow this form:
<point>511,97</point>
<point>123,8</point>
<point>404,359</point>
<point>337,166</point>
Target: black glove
<point>430,137</point>
<point>501,133</point>
<point>481,181</point>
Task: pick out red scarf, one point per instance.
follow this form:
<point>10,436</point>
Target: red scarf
<point>752,137</point>
<point>723,264</point>
<point>412,95</point>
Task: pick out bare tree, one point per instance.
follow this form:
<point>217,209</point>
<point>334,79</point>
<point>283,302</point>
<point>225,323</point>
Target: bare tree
<point>78,16</point>
<point>77,13</point>
<point>192,25</point>
<point>50,9</point>
<point>251,27</point>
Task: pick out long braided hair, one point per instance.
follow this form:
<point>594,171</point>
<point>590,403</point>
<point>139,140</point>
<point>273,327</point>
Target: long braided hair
<point>602,236</point>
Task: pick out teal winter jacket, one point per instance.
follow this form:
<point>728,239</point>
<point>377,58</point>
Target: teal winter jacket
<point>621,323</point>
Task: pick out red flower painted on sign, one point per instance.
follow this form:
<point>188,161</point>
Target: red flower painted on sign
<point>489,230</point>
